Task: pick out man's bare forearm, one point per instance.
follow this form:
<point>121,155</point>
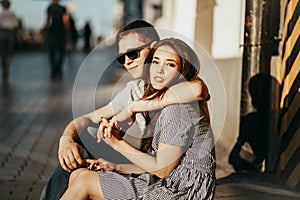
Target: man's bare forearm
<point>76,127</point>
<point>79,124</point>
<point>184,92</point>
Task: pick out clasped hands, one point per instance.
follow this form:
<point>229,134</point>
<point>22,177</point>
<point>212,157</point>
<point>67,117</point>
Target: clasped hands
<point>112,128</point>
<point>108,130</point>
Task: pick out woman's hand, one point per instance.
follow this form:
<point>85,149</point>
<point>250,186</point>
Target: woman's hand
<point>100,164</point>
<point>107,129</point>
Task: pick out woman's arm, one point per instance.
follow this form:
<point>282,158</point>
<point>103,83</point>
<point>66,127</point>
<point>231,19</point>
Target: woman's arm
<point>128,169</point>
<point>160,165</point>
<point>100,164</point>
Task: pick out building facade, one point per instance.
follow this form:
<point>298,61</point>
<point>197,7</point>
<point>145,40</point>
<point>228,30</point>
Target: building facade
<point>288,75</point>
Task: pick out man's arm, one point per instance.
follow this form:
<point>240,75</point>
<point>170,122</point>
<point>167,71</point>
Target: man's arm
<point>69,151</point>
<point>47,20</point>
<point>46,25</point>
<point>184,92</point>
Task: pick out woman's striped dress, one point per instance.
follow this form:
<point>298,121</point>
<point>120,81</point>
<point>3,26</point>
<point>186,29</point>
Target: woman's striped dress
<point>193,178</point>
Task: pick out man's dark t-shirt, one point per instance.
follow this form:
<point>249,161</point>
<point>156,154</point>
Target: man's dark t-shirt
<point>56,13</point>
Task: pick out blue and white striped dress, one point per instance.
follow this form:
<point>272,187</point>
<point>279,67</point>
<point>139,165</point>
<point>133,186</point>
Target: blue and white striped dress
<point>194,176</point>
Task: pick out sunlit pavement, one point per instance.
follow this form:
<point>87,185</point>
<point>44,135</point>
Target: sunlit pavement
<point>33,113</point>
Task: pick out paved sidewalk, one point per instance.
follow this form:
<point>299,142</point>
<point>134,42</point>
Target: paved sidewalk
<point>33,113</point>
<point>247,186</point>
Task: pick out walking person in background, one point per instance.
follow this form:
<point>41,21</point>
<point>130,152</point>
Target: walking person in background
<point>8,25</point>
<point>87,32</point>
<point>56,20</point>
<point>71,34</point>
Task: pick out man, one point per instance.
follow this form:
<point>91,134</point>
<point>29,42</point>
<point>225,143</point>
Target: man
<point>134,42</point>
<point>55,27</point>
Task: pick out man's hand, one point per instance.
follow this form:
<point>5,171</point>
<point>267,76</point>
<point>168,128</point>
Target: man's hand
<point>69,154</point>
<point>103,129</point>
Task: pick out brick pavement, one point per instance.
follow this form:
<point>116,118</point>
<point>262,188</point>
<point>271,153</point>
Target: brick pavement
<point>33,113</point>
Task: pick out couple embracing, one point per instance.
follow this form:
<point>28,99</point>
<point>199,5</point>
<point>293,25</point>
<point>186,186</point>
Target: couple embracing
<point>168,102</point>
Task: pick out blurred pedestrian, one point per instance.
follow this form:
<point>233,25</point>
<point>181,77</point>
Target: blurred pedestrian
<point>71,34</point>
<point>55,26</point>
<point>8,24</point>
<point>87,32</point>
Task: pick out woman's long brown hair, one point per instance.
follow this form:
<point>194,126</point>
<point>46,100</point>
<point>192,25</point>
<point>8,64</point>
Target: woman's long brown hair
<point>189,67</point>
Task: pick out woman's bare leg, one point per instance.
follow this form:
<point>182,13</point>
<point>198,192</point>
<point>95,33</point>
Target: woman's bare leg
<point>83,184</point>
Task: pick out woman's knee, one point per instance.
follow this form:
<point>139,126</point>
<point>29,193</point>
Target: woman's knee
<point>76,175</point>
<point>79,179</point>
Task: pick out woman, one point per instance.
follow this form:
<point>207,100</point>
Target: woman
<point>182,162</point>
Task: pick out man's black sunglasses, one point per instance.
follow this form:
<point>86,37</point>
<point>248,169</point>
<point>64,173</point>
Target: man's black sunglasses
<point>131,54</point>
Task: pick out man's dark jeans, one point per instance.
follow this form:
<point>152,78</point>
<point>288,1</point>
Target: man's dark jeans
<point>56,185</point>
<point>58,182</point>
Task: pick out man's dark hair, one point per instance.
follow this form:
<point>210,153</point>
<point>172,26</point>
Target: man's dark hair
<point>141,27</point>
<point>5,4</point>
